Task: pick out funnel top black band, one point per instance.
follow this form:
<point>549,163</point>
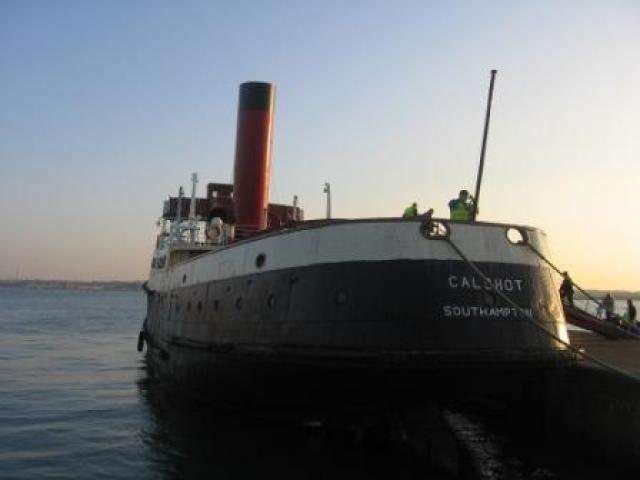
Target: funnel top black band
<point>256,96</point>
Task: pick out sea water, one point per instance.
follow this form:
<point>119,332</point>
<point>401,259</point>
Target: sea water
<point>76,402</point>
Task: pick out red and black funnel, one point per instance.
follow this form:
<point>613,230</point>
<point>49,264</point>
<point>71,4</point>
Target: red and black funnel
<point>251,174</point>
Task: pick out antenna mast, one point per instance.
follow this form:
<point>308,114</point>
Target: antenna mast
<point>177,230</point>
<point>484,145</point>
<point>192,208</point>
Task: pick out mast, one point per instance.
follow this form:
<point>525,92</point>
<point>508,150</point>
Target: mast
<point>192,208</point>
<point>295,208</point>
<point>484,145</point>
<point>327,190</point>
<point>177,231</point>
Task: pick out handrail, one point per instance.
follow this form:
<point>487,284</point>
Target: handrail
<point>570,314</point>
<point>584,292</point>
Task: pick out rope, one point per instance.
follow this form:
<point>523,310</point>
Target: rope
<point>525,316</point>
<point>548,262</point>
<point>560,272</point>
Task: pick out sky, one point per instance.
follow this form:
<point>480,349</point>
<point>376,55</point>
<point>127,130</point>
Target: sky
<point>107,107</point>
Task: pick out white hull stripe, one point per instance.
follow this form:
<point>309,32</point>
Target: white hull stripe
<point>350,242</point>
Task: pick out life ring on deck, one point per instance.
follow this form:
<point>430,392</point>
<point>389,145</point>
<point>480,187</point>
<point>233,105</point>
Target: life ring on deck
<point>215,230</point>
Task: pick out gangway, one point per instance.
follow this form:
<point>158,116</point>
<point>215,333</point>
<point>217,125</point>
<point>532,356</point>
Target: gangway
<point>580,318</point>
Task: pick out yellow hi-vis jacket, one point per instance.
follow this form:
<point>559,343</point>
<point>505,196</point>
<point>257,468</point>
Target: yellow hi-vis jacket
<point>461,211</point>
<point>410,211</point>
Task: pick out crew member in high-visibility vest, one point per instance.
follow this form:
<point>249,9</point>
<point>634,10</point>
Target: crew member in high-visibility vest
<point>463,207</point>
<point>411,211</point>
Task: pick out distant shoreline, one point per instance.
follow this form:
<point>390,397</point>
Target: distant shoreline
<point>137,285</point>
<point>72,284</point>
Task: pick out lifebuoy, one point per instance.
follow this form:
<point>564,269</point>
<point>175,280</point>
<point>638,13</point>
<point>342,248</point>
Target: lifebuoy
<point>215,232</point>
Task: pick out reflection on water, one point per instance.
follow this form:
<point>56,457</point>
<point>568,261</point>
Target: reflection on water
<point>189,439</point>
<point>76,401</point>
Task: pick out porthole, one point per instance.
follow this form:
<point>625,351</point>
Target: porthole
<point>435,229</point>
<point>239,303</point>
<point>341,297</point>
<point>260,259</point>
<point>517,236</point>
<point>271,301</point>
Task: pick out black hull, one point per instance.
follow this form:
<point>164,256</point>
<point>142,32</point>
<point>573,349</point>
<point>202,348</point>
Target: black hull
<point>410,327</point>
<point>252,381</point>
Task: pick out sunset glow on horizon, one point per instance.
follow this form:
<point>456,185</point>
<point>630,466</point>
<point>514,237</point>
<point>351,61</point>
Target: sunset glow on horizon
<point>107,108</point>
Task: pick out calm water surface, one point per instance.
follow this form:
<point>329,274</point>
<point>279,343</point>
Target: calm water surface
<point>75,402</point>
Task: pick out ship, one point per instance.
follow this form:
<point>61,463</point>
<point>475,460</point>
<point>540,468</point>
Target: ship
<point>247,300</point>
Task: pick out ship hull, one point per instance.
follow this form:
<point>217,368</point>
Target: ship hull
<point>403,327</point>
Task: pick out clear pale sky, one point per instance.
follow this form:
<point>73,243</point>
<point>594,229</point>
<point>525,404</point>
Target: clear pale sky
<point>107,107</point>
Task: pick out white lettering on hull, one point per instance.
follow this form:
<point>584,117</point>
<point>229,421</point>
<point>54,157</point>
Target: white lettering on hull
<point>468,311</point>
<point>458,282</point>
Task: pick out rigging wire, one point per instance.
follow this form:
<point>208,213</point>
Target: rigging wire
<point>525,316</point>
<point>584,292</point>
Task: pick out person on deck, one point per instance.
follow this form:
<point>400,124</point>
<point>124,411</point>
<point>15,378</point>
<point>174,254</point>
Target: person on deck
<point>462,208</point>
<point>566,289</point>
<point>632,313</point>
<point>608,307</point>
<point>411,211</point>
